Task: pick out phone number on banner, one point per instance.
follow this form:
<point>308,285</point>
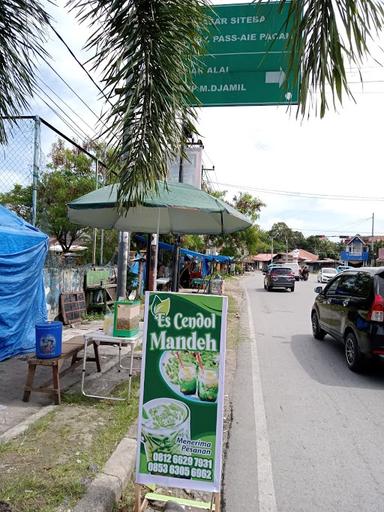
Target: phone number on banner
<point>181,465</point>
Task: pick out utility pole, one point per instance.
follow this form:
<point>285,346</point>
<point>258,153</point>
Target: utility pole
<point>286,249</point>
<point>95,229</point>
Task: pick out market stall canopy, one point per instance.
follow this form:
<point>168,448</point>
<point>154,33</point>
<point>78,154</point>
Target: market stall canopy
<point>23,249</point>
<point>177,208</point>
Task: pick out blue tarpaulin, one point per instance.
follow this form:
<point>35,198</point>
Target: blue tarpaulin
<point>23,250</point>
<point>205,258</point>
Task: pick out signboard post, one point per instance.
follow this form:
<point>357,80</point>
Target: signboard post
<point>182,392</point>
<point>247,57</point>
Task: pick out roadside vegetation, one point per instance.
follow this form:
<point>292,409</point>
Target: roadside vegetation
<point>53,462</point>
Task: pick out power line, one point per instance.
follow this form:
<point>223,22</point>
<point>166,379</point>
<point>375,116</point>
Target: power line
<point>78,130</point>
<point>304,195</point>
<point>71,89</point>
<point>81,65</point>
<point>66,104</point>
<point>67,124</point>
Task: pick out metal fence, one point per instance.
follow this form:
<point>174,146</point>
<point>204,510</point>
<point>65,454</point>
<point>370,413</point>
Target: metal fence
<point>20,158</point>
<point>24,157</point>
<point>23,161</point>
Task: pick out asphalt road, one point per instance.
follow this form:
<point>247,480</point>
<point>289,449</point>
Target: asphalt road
<point>307,433</point>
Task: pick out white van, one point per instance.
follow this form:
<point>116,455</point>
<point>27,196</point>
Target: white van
<point>295,268</point>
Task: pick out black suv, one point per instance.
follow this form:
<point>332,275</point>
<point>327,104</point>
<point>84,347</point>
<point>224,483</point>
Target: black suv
<point>279,277</point>
<point>351,309</point>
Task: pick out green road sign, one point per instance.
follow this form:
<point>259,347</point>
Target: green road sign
<point>247,58</point>
<point>182,391</point>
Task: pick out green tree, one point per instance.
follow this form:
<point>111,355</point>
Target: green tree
<point>244,242</point>
<point>69,175</point>
<point>282,237</point>
<point>19,200</point>
<point>323,247</point>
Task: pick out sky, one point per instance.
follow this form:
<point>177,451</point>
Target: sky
<point>298,168</point>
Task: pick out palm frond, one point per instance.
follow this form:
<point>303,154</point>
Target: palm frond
<point>22,24</point>
<point>326,35</point>
<point>146,49</point>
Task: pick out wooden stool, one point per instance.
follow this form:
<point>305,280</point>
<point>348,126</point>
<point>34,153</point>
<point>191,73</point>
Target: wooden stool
<point>70,349</point>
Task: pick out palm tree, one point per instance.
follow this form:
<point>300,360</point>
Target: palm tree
<point>146,49</point>
<point>22,24</point>
<point>327,34</point>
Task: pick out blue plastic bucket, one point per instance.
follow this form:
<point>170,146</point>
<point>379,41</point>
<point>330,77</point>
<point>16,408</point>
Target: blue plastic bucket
<point>48,339</point>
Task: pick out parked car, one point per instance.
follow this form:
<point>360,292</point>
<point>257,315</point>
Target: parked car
<point>341,268</point>
<point>326,274</point>
<point>279,277</point>
<point>295,267</point>
<point>351,309</point>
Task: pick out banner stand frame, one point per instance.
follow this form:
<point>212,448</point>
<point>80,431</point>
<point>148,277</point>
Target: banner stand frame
<point>142,502</point>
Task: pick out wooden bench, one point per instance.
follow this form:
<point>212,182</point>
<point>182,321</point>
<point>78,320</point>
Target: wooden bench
<point>70,349</point>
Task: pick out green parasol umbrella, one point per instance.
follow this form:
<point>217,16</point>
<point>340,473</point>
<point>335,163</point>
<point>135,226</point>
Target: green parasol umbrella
<point>177,208</point>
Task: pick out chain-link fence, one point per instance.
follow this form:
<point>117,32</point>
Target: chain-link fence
<point>20,162</point>
<point>23,161</point>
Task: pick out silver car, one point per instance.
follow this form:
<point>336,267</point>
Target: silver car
<point>326,274</point>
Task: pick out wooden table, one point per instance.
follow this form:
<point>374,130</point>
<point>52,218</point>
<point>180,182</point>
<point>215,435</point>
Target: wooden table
<point>100,338</point>
<point>70,349</point>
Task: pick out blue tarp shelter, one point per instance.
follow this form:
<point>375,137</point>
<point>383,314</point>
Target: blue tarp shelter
<point>23,249</point>
<point>205,258</point>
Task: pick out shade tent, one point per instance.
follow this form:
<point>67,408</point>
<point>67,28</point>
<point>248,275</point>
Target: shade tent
<point>23,250</point>
<point>205,258</point>
<point>176,208</point>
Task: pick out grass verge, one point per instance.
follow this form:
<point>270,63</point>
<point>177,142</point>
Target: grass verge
<point>55,460</point>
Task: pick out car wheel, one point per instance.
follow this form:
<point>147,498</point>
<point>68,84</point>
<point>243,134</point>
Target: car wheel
<point>317,331</point>
<point>292,288</point>
<point>353,356</point>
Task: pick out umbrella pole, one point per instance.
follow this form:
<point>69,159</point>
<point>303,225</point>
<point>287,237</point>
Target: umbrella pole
<point>122,264</point>
<point>154,256</point>
<point>176,258</point>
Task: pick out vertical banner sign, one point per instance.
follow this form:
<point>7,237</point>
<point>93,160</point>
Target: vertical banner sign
<point>182,391</point>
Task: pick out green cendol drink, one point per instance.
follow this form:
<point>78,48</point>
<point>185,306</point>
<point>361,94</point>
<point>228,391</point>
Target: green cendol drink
<point>187,379</point>
<point>164,420</point>
<point>208,384</point>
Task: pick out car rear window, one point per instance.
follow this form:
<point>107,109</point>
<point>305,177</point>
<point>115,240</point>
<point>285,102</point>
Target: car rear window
<point>285,271</point>
<point>358,284</point>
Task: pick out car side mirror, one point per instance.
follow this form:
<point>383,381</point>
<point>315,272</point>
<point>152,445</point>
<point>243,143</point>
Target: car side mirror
<point>318,289</point>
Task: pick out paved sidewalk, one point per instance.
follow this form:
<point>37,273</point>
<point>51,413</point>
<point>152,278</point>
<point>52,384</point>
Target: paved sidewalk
<point>16,414</point>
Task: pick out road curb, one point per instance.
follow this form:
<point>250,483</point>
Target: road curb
<point>108,486</point>
<point>24,425</point>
